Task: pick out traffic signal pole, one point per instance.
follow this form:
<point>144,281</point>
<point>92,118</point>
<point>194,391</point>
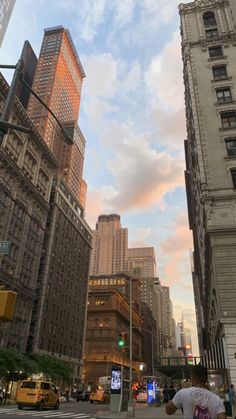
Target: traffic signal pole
<point>8,104</point>
<point>130,411</point>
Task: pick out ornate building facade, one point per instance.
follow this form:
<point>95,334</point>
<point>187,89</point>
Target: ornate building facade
<point>108,317</point>
<point>26,166</point>
<point>208,30</point>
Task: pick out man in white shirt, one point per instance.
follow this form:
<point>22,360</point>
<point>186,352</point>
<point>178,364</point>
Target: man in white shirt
<point>198,395</point>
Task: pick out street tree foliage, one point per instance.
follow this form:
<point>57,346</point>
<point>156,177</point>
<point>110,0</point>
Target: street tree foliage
<point>17,365</point>
<point>52,367</point>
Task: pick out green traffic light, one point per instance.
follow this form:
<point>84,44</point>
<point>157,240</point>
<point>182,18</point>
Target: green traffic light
<point>121,342</point>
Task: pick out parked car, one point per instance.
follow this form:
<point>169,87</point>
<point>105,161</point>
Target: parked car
<point>141,397</point>
<point>100,396</point>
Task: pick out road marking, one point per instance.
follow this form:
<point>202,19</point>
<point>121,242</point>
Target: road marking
<point>45,414</point>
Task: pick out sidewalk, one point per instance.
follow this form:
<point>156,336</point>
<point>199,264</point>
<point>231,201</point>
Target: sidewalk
<point>141,411</point>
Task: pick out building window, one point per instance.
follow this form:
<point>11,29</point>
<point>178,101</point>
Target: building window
<point>215,52</point>
<point>219,72</point>
<point>224,95</point>
<point>228,120</point>
<point>231,147</point>
<point>211,34</point>
<point>209,19</point>
<point>233,174</point>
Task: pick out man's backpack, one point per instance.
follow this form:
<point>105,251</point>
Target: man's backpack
<point>201,413</point>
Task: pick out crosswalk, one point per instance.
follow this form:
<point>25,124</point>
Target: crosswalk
<point>7,412</point>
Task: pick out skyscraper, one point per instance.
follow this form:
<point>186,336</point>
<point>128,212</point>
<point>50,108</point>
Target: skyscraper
<point>6,7</point>
<point>143,259</point>
<point>209,55</point>
<point>110,246</point>
<point>59,313</point>
<point>58,82</point>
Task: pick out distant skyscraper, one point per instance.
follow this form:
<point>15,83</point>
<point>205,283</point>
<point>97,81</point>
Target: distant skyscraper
<point>58,82</point>
<point>110,246</point>
<point>144,258</point>
<point>6,7</point>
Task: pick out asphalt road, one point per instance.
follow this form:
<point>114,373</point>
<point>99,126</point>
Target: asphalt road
<point>81,410</point>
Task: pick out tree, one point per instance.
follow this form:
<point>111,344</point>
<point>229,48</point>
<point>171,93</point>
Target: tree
<point>52,367</point>
<point>15,365</point>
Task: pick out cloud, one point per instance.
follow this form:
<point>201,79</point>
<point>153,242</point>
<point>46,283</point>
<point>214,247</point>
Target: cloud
<point>133,77</point>
<point>142,237</point>
<point>101,75</point>
<point>180,238</point>
<point>89,14</point>
<point>123,11</point>
<point>174,255</point>
<point>96,202</point>
<point>142,175</point>
<point>164,79</point>
<point>96,109</point>
<point>165,93</point>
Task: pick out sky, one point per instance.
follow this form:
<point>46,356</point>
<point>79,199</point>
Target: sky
<point>133,119</point>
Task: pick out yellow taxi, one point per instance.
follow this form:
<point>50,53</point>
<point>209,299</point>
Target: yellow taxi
<point>99,396</point>
<point>38,394</point>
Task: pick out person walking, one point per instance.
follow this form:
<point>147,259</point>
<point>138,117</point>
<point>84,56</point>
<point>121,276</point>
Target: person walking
<point>165,394</point>
<point>171,392</point>
<point>1,395</point>
<point>197,401</point>
<point>232,398</point>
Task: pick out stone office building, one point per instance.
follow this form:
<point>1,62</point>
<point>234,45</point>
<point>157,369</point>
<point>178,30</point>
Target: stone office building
<point>58,322</point>
<point>208,30</point>
<point>26,166</point>
<point>107,317</point>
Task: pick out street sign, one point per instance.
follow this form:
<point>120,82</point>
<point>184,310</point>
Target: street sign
<point>5,248</point>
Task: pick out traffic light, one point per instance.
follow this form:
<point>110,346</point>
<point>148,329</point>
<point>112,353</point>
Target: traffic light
<point>121,340</point>
<point>190,359</point>
<point>7,305</point>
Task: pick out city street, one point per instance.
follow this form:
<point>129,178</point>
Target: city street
<point>85,411</point>
<point>81,410</point>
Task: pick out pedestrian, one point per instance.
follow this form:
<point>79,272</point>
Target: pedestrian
<point>165,394</point>
<point>232,398</point>
<point>1,395</point>
<point>197,401</point>
<point>171,392</point>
